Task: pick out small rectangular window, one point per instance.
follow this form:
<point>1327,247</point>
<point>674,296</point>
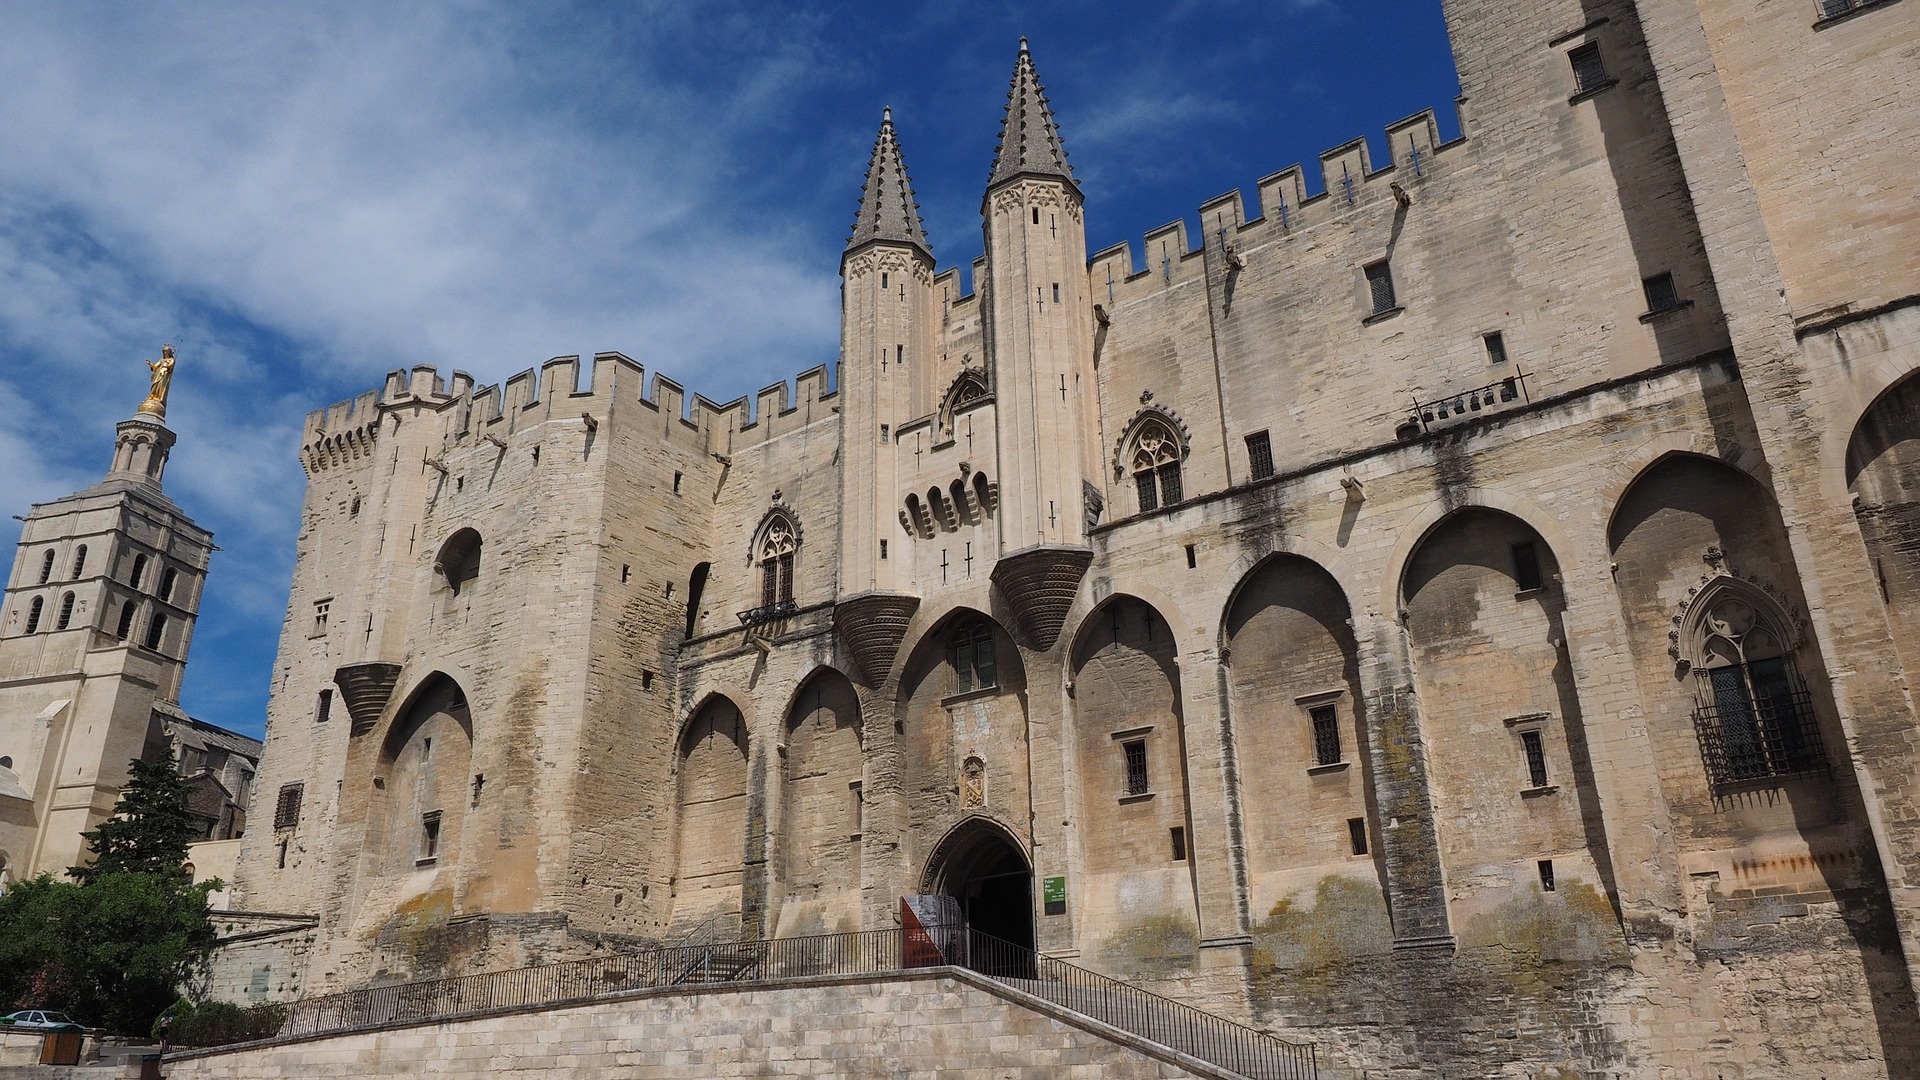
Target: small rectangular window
<point>1380,287</point>
<point>324,707</point>
<point>286,808</point>
<point>283,854</point>
<point>1546,875</point>
<point>1136,759</point>
<point>1526,567</point>
<point>1178,836</point>
<point>1357,835</point>
<point>321,608</point>
<point>883,279</point>
<point>1589,70</point>
<point>676,483</point>
<point>1326,734</point>
<point>1056,292</point>
<point>1036,215</point>
<point>883,549</point>
<point>858,792</point>
<point>646,680</point>
<point>1661,295</point>
<point>1536,751</point>
<point>1260,455</point>
<point>626,571</point>
<point>1193,561</point>
<point>1496,348</point>
<point>430,837</point>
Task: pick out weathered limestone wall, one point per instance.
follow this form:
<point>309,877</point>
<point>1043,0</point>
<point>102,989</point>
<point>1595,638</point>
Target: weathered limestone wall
<point>943,1025</point>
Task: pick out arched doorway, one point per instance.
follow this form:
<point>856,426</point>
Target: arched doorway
<point>981,865</point>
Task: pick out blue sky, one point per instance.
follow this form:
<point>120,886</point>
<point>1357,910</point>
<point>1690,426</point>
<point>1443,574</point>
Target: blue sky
<point>302,197</point>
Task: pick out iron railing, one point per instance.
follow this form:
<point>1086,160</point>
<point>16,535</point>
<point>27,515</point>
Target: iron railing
<point>1746,739</point>
<point>1172,1024</point>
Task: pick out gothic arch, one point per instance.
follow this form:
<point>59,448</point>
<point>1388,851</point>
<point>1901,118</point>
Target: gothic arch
<point>940,867</point>
<point>684,727</point>
<point>1417,532</point>
<point>778,525</point>
<point>436,687</point>
<point>1627,476</point>
<point>969,386</point>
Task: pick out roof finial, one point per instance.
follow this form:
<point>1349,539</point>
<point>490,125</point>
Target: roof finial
<point>1029,139</point>
<point>887,207</point>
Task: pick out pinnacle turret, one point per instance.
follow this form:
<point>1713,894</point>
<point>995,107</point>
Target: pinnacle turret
<point>1029,139</point>
<point>887,207</point>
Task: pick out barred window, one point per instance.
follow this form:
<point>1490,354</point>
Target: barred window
<point>1157,452</point>
<point>156,630</point>
<point>1260,455</point>
<point>1326,734</point>
<point>139,571</point>
<point>1135,751</point>
<point>1380,287</point>
<point>46,567</point>
<point>79,560</point>
<point>1661,294</point>
<point>1535,752</point>
<point>167,578</point>
<point>286,809</point>
<point>778,545</point>
<point>34,611</point>
<point>66,612</point>
<point>127,613</point>
<point>1755,716</point>
<point>1589,70</point>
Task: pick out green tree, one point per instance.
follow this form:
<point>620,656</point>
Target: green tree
<point>150,827</point>
<point>113,947</point>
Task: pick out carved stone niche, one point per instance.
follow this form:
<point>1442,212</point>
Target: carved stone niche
<point>366,689</point>
<point>872,625</point>
<point>1039,584</point>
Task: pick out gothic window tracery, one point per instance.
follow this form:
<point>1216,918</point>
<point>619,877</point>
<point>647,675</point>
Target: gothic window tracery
<point>1154,460</point>
<point>1755,718</point>
<point>779,543</point>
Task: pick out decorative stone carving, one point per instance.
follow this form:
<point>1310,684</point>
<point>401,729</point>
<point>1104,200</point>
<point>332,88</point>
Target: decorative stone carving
<point>366,689</point>
<point>872,625</point>
<point>1040,583</point>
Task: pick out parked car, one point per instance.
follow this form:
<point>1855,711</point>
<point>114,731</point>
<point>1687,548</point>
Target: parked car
<point>39,1020</point>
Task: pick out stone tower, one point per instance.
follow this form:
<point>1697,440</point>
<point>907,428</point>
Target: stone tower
<point>98,615</point>
<point>1039,337</point>
<point>889,375</point>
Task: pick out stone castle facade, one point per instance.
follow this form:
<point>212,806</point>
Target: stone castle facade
<point>1460,616</point>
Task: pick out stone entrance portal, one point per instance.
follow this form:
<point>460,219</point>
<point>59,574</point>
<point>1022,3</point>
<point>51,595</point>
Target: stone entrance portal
<point>981,865</point>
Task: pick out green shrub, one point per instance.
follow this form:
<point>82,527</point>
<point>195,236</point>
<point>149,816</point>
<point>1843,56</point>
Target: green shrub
<point>218,1023</point>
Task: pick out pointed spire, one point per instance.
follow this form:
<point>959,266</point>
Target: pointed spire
<point>887,207</point>
<point>1029,139</point>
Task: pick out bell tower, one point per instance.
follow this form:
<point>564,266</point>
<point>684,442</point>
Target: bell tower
<point>887,373</point>
<point>94,630</point>
<point>1040,346</point>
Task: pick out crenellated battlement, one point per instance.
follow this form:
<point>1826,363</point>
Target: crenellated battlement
<point>347,429</point>
<point>1348,179</point>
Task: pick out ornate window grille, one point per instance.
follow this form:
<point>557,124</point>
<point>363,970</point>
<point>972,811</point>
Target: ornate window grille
<point>1755,716</point>
<point>777,549</point>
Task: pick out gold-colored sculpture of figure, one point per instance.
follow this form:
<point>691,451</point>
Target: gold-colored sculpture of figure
<point>162,369</point>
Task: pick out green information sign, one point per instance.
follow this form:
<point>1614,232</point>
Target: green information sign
<point>1053,891</point>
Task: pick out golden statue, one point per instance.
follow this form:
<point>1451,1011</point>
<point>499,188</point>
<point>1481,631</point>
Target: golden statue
<point>162,369</point>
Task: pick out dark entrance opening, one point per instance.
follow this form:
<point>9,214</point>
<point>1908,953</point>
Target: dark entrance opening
<point>981,866</point>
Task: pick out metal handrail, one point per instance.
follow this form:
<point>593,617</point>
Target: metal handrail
<point>1162,1020</point>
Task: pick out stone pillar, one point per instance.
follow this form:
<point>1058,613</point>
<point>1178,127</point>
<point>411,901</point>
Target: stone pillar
<point>1397,758</point>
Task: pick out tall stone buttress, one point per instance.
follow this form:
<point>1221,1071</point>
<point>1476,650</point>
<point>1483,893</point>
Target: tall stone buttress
<point>1040,344</point>
<point>887,321</point>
